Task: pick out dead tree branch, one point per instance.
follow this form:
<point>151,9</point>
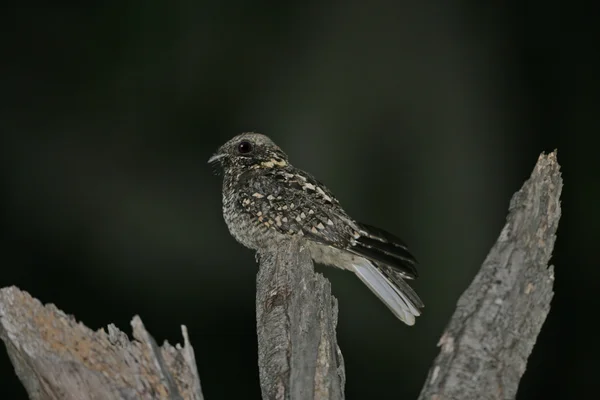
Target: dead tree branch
<point>485,347</point>
<point>57,358</point>
<point>296,316</point>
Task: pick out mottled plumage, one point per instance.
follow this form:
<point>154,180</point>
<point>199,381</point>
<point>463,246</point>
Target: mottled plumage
<point>267,200</point>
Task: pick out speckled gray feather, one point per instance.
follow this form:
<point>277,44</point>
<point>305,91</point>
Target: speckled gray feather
<point>267,200</point>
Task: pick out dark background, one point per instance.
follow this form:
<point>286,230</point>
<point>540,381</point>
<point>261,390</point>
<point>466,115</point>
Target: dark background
<point>422,119</point>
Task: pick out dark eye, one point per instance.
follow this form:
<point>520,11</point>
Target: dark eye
<point>245,147</point>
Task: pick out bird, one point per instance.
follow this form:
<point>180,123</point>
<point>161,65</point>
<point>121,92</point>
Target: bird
<point>266,200</point>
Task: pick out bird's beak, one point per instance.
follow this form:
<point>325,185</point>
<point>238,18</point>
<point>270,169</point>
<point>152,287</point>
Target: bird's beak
<point>215,158</point>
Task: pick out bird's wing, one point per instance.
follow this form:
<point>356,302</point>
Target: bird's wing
<point>382,247</point>
<point>294,202</point>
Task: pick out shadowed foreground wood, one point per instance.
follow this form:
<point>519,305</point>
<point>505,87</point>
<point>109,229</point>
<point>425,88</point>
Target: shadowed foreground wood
<point>57,358</point>
<point>485,347</point>
<point>296,316</point>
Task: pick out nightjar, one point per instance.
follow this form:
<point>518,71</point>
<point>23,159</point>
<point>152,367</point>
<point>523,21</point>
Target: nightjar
<point>267,200</point>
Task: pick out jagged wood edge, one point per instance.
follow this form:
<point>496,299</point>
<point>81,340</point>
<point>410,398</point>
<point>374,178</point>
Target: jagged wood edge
<point>56,357</point>
<point>296,315</point>
<point>485,346</point>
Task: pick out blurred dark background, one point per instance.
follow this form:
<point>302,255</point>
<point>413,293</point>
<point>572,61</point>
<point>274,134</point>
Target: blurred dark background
<point>422,118</point>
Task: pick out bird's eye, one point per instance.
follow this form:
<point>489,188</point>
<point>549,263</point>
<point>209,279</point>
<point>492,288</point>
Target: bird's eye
<point>245,147</point>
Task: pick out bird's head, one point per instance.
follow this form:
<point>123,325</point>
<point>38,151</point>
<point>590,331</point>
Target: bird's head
<point>248,150</point>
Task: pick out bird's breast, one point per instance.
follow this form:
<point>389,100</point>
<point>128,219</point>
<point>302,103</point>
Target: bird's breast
<point>247,228</point>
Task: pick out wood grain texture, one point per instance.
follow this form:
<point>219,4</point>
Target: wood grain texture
<point>296,315</point>
<point>485,347</point>
<point>55,357</point>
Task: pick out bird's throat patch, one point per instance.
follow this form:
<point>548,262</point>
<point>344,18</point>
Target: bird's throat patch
<point>273,162</point>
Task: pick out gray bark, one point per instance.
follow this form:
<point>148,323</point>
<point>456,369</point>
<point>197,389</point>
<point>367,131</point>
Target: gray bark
<point>57,358</point>
<point>485,347</point>
<point>296,315</point>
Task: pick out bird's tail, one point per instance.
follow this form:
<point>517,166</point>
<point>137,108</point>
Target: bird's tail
<point>391,289</point>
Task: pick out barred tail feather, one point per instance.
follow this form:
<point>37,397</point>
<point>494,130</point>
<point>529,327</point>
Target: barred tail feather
<point>398,296</point>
